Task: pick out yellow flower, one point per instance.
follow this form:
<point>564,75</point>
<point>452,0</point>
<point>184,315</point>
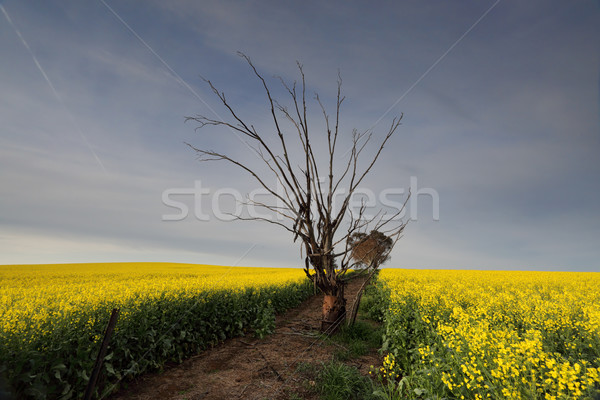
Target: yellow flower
<point>500,327</point>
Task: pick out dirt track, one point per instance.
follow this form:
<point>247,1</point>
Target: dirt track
<point>249,368</point>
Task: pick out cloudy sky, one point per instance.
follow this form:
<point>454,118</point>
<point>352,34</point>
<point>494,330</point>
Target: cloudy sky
<point>501,123</point>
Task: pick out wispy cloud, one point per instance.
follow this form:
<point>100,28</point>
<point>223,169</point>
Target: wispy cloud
<point>53,89</point>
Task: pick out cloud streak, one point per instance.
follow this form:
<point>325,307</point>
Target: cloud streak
<point>53,89</point>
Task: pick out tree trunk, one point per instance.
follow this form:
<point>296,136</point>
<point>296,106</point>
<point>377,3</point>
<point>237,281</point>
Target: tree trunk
<point>334,312</point>
<point>356,304</point>
<point>354,309</point>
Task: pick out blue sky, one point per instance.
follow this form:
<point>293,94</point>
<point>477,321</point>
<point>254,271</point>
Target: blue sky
<point>501,118</point>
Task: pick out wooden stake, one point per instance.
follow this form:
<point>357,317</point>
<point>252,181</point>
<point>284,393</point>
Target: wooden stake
<point>99,360</point>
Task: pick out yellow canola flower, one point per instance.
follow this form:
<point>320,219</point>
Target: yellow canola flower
<point>501,334</point>
<point>35,299</point>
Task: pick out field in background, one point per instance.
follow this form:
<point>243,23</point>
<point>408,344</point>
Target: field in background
<point>52,317</point>
<point>499,335</point>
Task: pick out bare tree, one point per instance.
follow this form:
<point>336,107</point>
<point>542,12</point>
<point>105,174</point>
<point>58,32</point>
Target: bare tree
<point>305,205</point>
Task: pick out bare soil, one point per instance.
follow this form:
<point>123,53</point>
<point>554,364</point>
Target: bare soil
<point>251,368</point>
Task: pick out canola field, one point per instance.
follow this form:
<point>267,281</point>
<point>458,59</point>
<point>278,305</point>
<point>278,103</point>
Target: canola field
<point>497,335</point>
<point>52,317</point>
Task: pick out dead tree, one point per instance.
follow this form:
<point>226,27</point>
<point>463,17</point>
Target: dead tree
<point>304,202</point>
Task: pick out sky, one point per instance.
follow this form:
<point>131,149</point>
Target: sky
<point>499,139</point>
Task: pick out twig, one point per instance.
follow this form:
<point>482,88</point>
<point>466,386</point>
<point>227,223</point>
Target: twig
<point>299,334</point>
<point>243,390</point>
<point>270,366</point>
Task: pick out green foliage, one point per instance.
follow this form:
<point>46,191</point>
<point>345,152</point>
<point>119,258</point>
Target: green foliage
<point>337,381</point>
<point>356,340</point>
<point>375,301</point>
<point>405,332</point>
<point>148,334</point>
<point>264,324</point>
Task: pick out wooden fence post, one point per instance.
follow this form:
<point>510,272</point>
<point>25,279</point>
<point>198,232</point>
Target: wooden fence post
<point>101,354</point>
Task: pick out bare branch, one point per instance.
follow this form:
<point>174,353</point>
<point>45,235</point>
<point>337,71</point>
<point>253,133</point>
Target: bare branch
<point>307,202</point>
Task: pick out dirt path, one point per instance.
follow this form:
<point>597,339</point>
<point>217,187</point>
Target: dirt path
<point>249,368</point>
